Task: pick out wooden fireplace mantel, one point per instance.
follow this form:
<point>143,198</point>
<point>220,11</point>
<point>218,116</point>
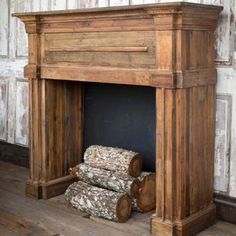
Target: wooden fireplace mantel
<point>168,46</point>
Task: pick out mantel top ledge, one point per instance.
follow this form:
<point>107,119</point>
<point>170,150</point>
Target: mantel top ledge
<point>137,10</point>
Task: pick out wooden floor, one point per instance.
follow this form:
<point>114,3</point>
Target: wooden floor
<point>20,215</point>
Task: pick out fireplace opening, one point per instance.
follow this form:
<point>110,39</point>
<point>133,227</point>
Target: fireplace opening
<point>121,116</point>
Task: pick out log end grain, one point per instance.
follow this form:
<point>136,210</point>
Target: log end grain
<point>146,198</point>
<point>123,209</point>
<point>136,165</point>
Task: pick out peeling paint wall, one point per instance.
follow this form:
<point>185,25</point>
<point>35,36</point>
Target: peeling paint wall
<point>14,88</point>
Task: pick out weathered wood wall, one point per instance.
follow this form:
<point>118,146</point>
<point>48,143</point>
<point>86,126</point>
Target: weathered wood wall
<point>13,86</point>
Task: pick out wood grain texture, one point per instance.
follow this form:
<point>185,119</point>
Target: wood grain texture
<point>121,49</point>
<point>185,160</point>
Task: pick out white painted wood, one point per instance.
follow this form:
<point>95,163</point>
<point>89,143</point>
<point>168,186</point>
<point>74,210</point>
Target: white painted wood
<point>21,36</point>
<point>88,3</point>
<point>35,5</point>
<point>225,31</point>
<point>119,2</point>
<point>135,2</point>
<point>44,5</point>
<point>58,4</point>
<point>4,27</point>
<point>222,142</point>
<point>12,32</point>
<point>72,4</point>
<point>227,85</point>
<point>103,3</point>
<point>3,108</point>
<point>11,110</point>
<point>21,135</point>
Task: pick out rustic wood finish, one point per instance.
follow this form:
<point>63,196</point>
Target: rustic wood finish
<point>168,46</point>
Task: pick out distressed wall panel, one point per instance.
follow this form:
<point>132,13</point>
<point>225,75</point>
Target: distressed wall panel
<point>35,5</point>
<point>222,142</point>
<point>72,4</point>
<point>88,3</point>
<point>11,124</point>
<point>224,32</point>
<point>3,108</point>
<point>135,2</point>
<point>21,113</point>
<point>58,5</point>
<point>21,37</point>
<point>119,2</point>
<point>4,17</point>
<point>44,5</point>
<point>103,3</point>
<point>227,85</point>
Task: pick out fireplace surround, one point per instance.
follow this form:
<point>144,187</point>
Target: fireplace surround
<point>169,47</point>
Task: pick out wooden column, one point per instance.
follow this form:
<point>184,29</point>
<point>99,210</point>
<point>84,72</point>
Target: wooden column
<point>55,131</point>
<point>185,117</point>
<point>184,166</point>
<point>55,111</point>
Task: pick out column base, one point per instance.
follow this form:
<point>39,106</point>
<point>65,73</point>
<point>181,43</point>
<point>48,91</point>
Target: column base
<point>186,227</point>
<point>50,189</point>
<point>33,190</point>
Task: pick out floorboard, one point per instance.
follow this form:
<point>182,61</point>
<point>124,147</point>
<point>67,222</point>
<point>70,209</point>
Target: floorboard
<point>20,215</point>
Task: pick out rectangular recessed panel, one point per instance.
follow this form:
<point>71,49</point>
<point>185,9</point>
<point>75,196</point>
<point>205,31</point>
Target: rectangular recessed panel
<point>222,142</point>
<point>121,49</point>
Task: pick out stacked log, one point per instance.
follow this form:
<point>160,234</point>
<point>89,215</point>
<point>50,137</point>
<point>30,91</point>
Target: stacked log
<point>107,186</point>
<point>99,202</point>
<point>145,200</point>
<point>124,162</point>
<point>106,179</point>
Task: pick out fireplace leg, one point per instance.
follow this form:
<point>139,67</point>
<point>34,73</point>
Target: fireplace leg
<point>55,135</point>
<point>184,160</point>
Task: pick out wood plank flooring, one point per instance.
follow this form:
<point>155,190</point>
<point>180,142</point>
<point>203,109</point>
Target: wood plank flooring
<point>24,216</point>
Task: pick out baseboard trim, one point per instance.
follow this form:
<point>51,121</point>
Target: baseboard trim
<point>225,207</point>
<point>57,186</point>
<point>15,154</point>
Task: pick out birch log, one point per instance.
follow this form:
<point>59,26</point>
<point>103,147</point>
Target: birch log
<point>122,161</point>
<point>146,198</point>
<point>99,202</point>
<point>106,179</point>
